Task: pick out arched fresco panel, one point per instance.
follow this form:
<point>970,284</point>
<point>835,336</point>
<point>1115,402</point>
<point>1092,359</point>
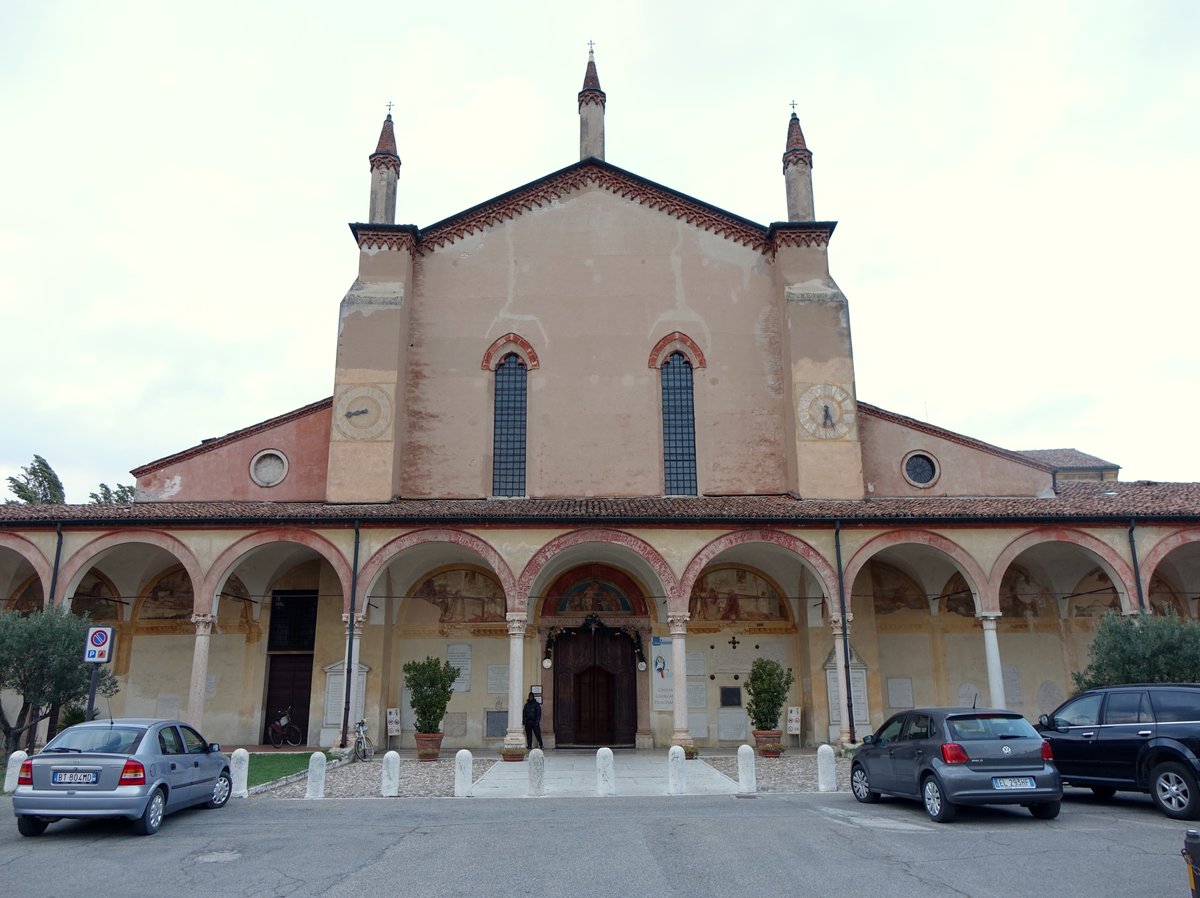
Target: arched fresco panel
<point>27,597</point>
<point>1165,599</point>
<point>1093,596</point>
<point>594,589</point>
<point>733,593</point>
<point>168,600</point>
<point>235,610</point>
<point>1024,599</point>
<point>462,595</point>
<point>955,600</point>
<point>97,597</point>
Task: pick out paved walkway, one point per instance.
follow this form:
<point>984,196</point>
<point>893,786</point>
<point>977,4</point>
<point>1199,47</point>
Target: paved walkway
<point>569,774</point>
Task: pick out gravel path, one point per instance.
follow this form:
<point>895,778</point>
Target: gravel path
<point>794,772</point>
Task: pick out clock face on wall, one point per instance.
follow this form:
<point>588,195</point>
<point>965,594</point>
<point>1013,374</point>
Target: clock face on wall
<point>362,412</point>
<point>825,411</point>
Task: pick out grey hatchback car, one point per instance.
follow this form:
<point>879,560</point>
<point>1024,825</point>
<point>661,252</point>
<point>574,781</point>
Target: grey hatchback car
<point>134,768</point>
<point>945,757</point>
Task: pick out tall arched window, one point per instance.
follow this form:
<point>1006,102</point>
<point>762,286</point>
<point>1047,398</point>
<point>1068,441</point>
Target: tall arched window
<point>508,439</point>
<point>679,427</point>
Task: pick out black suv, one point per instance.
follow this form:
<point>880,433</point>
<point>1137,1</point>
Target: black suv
<point>1140,738</point>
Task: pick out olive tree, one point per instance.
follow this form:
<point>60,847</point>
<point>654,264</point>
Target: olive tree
<point>1143,649</point>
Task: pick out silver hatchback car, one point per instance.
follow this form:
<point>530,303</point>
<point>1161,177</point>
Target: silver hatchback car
<point>135,768</point>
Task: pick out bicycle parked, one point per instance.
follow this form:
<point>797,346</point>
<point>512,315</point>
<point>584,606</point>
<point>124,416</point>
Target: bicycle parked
<point>364,748</point>
<point>283,730</point>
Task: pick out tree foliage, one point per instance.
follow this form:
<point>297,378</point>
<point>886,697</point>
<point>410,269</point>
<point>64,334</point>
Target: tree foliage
<point>41,661</point>
<point>1143,649</point>
<point>767,687</point>
<point>431,683</point>
<point>106,495</point>
<point>37,485</point>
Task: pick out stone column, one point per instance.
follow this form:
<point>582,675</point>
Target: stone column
<point>679,732</point>
<point>991,650</point>
<point>515,737</point>
<point>199,684</point>
<point>351,671</point>
<point>839,659</point>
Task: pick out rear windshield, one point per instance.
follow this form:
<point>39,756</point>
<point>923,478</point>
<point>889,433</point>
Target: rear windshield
<point>118,739</point>
<point>989,726</point>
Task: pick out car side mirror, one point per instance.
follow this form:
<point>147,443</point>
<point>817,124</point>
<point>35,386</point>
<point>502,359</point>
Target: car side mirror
<point>869,739</point>
<point>214,747</point>
<point>1044,721</point>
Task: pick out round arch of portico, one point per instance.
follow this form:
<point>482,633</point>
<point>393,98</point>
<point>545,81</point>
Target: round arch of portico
<point>1161,550</point>
<point>225,563</point>
<point>965,562</point>
<point>638,546</point>
<point>1117,569</point>
<point>806,554</point>
<point>373,569</point>
<point>31,553</point>
<point>84,557</point>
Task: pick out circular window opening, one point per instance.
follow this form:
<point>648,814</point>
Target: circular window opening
<point>269,467</point>
<point>920,469</point>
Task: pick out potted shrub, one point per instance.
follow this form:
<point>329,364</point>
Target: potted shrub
<point>768,688</point>
<point>431,684</point>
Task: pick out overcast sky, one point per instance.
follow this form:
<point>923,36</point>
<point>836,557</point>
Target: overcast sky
<point>1016,186</point>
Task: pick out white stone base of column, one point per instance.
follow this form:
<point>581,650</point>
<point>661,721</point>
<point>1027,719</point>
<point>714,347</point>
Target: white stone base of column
<point>643,741</point>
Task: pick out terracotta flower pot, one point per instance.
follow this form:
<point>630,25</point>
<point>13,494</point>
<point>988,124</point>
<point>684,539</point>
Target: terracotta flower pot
<point>429,746</point>
<point>769,743</point>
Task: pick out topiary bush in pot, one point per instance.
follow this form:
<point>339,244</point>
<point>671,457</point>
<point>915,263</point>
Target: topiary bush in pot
<point>767,687</point>
<point>430,683</point>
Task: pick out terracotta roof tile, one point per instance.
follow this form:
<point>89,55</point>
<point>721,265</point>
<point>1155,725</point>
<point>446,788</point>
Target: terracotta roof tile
<point>1067,458</point>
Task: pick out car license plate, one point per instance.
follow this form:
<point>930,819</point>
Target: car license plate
<point>73,777</point>
<point>1012,782</point>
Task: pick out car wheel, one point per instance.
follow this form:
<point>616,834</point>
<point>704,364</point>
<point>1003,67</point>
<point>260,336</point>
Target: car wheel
<point>31,826</point>
<point>1173,788</point>
<point>860,785</point>
<point>152,817</point>
<point>936,806</point>
<point>222,789</point>
<point>1046,810</point>
<point>1105,792</point>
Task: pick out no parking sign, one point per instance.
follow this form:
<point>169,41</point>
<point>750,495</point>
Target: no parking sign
<point>98,648</point>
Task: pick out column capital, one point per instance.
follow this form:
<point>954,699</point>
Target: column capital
<point>360,618</point>
<point>835,622</point>
<point>204,623</point>
<point>988,619</point>
<point>678,623</point>
<point>517,622</point>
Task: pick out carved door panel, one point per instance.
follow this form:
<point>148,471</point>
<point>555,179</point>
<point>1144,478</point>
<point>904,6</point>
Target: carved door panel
<point>595,689</point>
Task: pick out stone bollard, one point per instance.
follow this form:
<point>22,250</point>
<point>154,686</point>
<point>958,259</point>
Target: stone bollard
<point>389,786</point>
<point>605,779</point>
<point>15,760</point>
<point>537,772</point>
<point>462,773</point>
<point>239,769</point>
<point>316,776</point>
<point>676,777</point>
<point>826,769</point>
<point>747,779</point>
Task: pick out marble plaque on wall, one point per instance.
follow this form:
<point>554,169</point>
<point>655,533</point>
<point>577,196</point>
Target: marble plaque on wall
<point>459,655</point>
<point>698,725</point>
<point>1013,693</point>
<point>731,724</point>
<point>455,723</point>
<point>900,692</point>
<point>697,694</point>
<point>695,664</point>
<point>497,679</point>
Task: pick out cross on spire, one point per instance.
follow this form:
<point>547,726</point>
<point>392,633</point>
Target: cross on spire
<point>591,46</point>
<point>389,106</point>
<point>793,105</point>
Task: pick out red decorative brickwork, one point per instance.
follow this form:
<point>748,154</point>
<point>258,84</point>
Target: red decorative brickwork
<point>961,559</point>
<point>509,342</point>
<point>1161,550</point>
<point>801,237</point>
<point>393,240</point>
<point>220,569</point>
<point>82,559</point>
<point>586,175</point>
<point>27,550</point>
<point>483,552</point>
<point>1109,560</point>
<point>672,342</point>
<point>591,97</point>
<point>383,161</point>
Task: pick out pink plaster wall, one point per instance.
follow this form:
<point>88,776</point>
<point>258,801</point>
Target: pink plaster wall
<point>221,470</point>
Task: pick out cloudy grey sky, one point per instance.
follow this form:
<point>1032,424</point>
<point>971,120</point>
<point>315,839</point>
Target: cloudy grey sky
<point>1016,187</point>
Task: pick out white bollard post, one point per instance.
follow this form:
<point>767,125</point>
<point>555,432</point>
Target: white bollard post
<point>826,769</point>
<point>537,772</point>
<point>747,778</point>
<point>239,769</point>
<point>462,773</point>
<point>605,779</point>
<point>316,776</point>
<point>15,760</point>
<point>676,777</point>
<point>389,786</point>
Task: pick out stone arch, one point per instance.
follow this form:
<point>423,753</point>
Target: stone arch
<point>967,565</point>
<point>228,560</point>
<point>376,564</point>
<point>510,343</point>
<point>638,546</point>
<point>805,553</point>
<point>29,552</point>
<point>87,555</point>
<point>1109,561</point>
<point>1161,550</point>
<point>676,341</point>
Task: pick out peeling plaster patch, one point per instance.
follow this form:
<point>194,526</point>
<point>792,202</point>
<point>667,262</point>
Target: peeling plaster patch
<point>767,338</point>
<point>367,297</point>
<point>168,488</point>
<point>821,290</point>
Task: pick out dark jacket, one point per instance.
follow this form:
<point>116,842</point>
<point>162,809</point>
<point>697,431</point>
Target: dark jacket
<point>532,715</point>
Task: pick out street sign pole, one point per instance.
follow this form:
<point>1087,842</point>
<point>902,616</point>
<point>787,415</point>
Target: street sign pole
<point>92,691</point>
<point>97,650</point>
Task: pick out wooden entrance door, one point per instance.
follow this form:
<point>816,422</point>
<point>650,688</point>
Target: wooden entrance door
<point>290,643</point>
<point>289,682</point>
<point>595,689</point>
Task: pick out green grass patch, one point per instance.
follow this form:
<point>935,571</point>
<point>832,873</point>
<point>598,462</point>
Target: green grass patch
<point>269,766</point>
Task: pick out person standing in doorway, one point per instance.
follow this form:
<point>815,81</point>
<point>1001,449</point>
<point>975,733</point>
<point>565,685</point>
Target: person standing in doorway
<point>532,718</point>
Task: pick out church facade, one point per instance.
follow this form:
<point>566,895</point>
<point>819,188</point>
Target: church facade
<point>601,440</point>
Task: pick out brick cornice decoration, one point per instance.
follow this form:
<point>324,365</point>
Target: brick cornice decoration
<point>591,97</point>
<point>592,173</point>
<point>385,160</point>
<point>377,238</point>
<point>493,351</point>
<point>816,233</point>
<point>797,157</point>
<point>672,341</point>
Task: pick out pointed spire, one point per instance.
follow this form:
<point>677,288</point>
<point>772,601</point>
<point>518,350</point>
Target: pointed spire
<point>591,111</point>
<point>385,172</point>
<point>797,173</point>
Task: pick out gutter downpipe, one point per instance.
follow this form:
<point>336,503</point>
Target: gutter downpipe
<point>1137,572</point>
<point>350,637</point>
<point>57,558</point>
<point>837,544</point>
